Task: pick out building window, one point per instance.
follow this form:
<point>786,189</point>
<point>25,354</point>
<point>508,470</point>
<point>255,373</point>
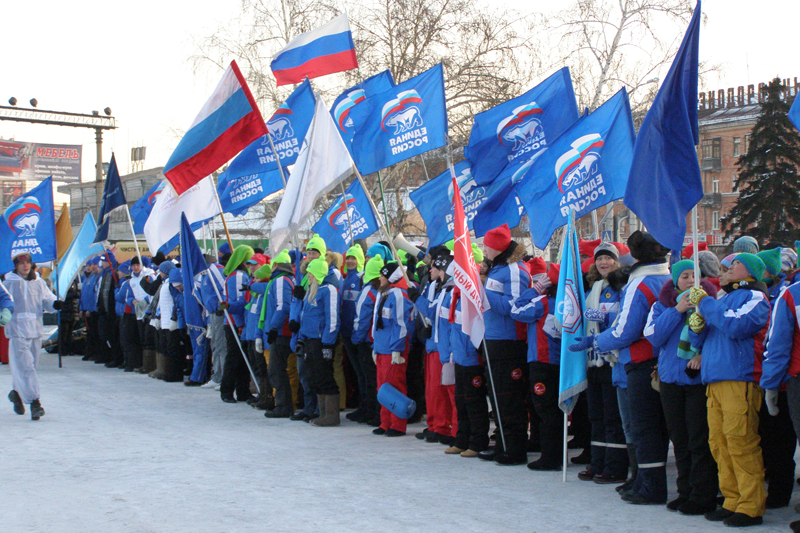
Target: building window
<point>711,148</point>
<point>736,147</point>
<point>715,220</point>
<point>747,143</point>
<point>714,185</point>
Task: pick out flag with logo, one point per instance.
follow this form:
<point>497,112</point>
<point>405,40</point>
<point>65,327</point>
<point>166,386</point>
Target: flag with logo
<point>349,99</point>
<point>466,276</point>
<point>113,198</point>
<point>407,120</point>
<point>81,250</point>
<point>323,163</point>
<point>228,122</point>
<point>665,181</point>
<point>321,51</point>
<point>254,174</point>
<point>585,168</point>
<point>520,128</point>
<point>502,206</point>
<point>570,304</point>
<point>163,226</point>
<point>28,225</point>
<point>350,217</point>
<point>140,210</point>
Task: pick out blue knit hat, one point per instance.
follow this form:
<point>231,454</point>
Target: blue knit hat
<point>679,268</point>
<point>745,244</point>
<point>754,265</point>
<point>772,260</point>
<point>165,267</point>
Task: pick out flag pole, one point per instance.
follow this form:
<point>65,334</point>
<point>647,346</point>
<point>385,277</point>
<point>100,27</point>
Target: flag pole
<point>596,234</point>
<point>347,212</point>
<point>695,253</point>
<point>283,179</point>
<point>135,242</point>
<point>383,199</point>
<point>213,232</point>
<point>58,313</point>
<point>221,214</point>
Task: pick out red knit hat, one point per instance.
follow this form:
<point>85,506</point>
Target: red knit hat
<point>537,265</point>
<point>587,247</point>
<point>689,250</point>
<point>498,238</point>
<point>586,265</point>
<point>622,249</point>
<point>553,273</point>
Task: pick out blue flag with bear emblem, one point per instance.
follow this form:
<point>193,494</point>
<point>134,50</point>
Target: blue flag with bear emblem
<point>349,99</point>
<point>349,212</point>
<point>585,168</point>
<point>407,120</point>
<point>28,225</point>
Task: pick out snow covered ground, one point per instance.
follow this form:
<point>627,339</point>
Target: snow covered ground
<point>120,452</point>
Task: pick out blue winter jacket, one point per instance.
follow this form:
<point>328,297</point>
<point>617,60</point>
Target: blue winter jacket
<point>776,288</point>
<point>319,318</point>
<point>439,313</point>
<point>504,284</point>
<point>782,352</point>
<point>351,289</point>
<point>123,294</point>
<point>334,277</point>
<point>235,295</point>
<point>426,306</point>
<point>252,314</point>
<point>532,308</point>
<point>732,342</point>
<point>89,293</point>
<point>365,308</point>
<point>396,314</point>
<point>637,297</point>
<point>464,352</point>
<point>207,292</point>
<point>178,305</point>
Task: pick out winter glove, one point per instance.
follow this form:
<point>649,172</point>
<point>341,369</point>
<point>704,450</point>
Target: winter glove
<point>294,326</point>
<point>611,357</point>
<point>595,315</point>
<point>397,358</point>
<point>542,285</point>
<point>300,348</point>
<point>57,305</point>
<point>771,397</point>
<point>696,322</point>
<point>223,306</point>
<point>413,293</point>
<point>259,345</point>
<point>5,317</point>
<point>427,332</point>
<point>219,312</point>
<point>583,343</point>
<point>299,292</point>
<point>272,336</point>
<point>327,352</point>
<point>696,294</point>
<point>173,325</point>
<point>374,357</point>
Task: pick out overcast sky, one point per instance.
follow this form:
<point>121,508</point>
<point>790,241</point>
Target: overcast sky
<point>133,57</point>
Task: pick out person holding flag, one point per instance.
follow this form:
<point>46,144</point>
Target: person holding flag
<point>23,299</point>
<point>636,353</point>
<point>505,343</point>
<point>362,337</point>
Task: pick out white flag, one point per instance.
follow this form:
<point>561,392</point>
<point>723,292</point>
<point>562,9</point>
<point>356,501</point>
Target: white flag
<point>164,223</point>
<point>322,164</point>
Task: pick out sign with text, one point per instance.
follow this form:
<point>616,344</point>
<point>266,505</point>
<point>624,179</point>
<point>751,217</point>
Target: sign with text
<point>37,161</point>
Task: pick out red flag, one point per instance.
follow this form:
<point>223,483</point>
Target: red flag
<point>466,275</point>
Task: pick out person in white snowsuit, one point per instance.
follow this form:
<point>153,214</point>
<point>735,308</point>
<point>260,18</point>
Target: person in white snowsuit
<point>31,298</point>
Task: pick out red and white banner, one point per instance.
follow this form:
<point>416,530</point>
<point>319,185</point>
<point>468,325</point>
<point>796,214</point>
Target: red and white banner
<point>466,275</point>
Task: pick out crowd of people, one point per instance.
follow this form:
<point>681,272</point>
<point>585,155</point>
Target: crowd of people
<point>712,367</point>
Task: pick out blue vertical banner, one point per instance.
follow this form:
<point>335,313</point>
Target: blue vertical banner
<point>665,181</point>
<point>113,198</point>
<point>520,128</point>
<point>570,303</point>
<point>349,212</point>
<point>81,250</point>
<point>407,120</point>
<point>192,264</point>
<point>349,99</point>
<point>254,174</point>
<point>29,226</point>
<point>585,168</point>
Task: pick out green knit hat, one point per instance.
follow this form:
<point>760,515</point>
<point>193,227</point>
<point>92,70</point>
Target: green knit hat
<point>318,244</point>
<point>263,272</point>
<point>451,244</point>
<point>679,268</point>
<point>373,269</point>
<point>772,260</point>
<point>357,252</point>
<point>754,265</point>
<point>282,257</point>
<point>241,254</point>
<point>318,268</point>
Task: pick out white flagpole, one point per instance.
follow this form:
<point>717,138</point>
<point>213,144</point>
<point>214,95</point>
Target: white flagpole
<point>694,249</point>
<point>133,232</point>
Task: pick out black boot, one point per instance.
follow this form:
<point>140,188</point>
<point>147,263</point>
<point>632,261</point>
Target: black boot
<point>634,469</point>
<point>14,398</point>
<point>37,411</point>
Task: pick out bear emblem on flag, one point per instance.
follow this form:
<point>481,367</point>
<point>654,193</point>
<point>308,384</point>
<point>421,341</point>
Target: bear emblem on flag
<point>522,129</point>
<point>23,216</point>
<point>470,190</point>
<point>579,164</point>
<point>399,114</point>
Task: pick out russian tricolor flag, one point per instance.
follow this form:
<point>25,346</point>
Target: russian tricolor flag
<point>228,122</point>
<point>326,50</point>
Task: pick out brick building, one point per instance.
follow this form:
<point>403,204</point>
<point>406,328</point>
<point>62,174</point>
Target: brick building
<point>726,119</point>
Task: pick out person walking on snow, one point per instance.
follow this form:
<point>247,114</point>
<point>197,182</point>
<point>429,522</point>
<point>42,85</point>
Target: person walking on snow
<point>25,294</point>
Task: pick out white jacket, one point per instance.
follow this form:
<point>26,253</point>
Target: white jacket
<point>31,299</point>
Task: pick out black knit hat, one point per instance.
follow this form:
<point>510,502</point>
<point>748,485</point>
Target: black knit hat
<point>392,272</point>
<point>645,248</point>
<point>135,260</point>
